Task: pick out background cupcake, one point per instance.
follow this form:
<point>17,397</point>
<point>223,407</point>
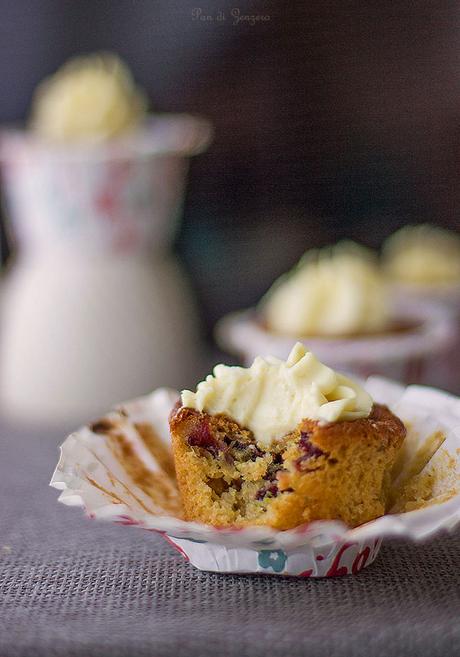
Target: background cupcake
<point>422,264</point>
<point>337,302</point>
<point>423,261</point>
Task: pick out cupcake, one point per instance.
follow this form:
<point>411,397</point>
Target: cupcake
<point>423,262</point>
<point>337,301</point>
<point>422,265</point>
<point>282,443</point>
<point>94,187</point>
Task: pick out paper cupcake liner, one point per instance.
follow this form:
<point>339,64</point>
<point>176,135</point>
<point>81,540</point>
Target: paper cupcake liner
<point>307,561</point>
<point>120,468</point>
<point>413,356</point>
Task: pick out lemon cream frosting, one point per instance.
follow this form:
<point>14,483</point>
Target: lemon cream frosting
<point>423,254</point>
<point>272,396</point>
<point>331,292</point>
<point>91,97</point>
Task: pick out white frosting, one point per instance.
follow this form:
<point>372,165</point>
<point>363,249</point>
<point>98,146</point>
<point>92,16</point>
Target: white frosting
<point>424,254</point>
<point>332,292</point>
<point>90,98</point>
<point>272,396</point>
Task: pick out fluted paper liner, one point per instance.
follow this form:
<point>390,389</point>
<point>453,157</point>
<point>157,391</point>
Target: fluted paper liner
<point>120,468</point>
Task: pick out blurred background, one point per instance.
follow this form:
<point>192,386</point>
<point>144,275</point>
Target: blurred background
<point>331,119</point>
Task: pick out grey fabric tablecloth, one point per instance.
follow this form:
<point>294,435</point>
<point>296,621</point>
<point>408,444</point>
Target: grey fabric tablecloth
<point>71,586</point>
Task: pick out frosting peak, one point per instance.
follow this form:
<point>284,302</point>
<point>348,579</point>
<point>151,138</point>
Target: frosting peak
<point>272,396</point>
<point>332,292</point>
<point>91,97</point>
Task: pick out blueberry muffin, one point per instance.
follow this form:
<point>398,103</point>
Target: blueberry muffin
<point>281,444</point>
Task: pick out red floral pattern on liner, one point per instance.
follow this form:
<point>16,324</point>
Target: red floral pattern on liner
<point>337,569</point>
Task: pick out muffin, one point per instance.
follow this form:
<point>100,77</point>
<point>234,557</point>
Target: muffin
<point>336,300</point>
<point>422,266</point>
<point>282,443</point>
<point>424,257</point>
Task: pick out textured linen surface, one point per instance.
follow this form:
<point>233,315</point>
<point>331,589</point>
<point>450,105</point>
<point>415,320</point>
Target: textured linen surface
<point>71,586</point>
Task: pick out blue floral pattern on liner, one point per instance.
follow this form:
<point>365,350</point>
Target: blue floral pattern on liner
<point>274,559</point>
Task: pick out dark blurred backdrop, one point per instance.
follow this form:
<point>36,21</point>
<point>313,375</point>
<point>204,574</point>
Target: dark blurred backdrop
<point>333,119</point>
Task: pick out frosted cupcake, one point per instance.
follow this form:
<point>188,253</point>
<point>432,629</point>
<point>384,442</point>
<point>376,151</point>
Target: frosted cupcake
<point>336,301</point>
<point>94,188</point>
<point>283,443</point>
<point>424,262</point>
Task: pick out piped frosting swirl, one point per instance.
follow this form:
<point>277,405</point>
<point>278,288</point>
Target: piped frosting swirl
<point>272,396</point>
<point>336,291</point>
<point>90,98</point>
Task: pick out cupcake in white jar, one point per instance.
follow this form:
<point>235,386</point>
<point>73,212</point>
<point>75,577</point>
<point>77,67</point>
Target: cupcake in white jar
<point>95,307</point>
<point>336,301</point>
